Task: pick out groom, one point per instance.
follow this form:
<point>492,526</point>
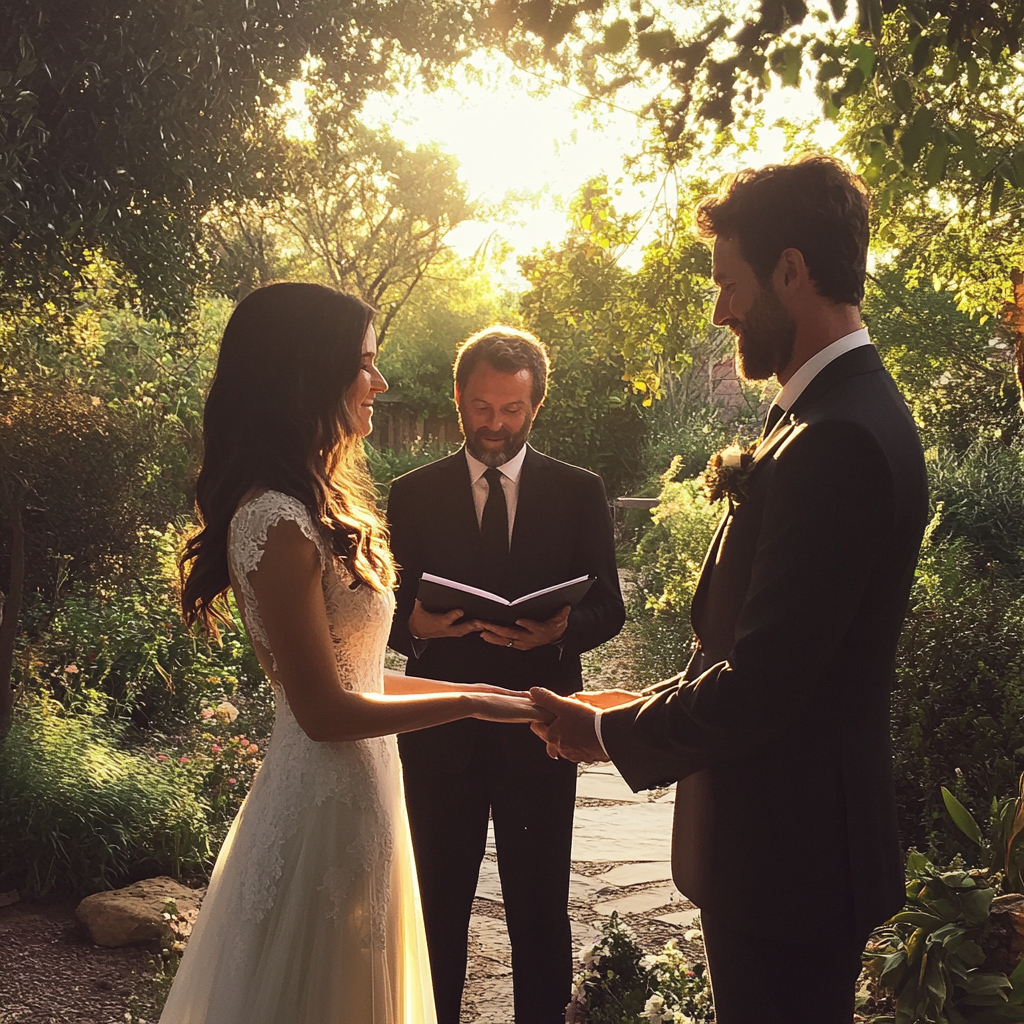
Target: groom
<point>778,730</point>
<point>500,516</point>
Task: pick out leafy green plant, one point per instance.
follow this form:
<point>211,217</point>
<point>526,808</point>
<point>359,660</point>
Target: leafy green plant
<point>930,958</point>
<point>78,813</point>
<point>130,643</point>
<point>666,567</point>
<point>619,984</point>
<point>1002,853</point>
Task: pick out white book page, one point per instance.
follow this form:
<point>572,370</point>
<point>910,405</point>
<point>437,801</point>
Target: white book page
<point>431,578</point>
<point>540,593</point>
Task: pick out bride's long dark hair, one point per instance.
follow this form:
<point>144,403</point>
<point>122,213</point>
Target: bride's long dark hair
<point>276,417</point>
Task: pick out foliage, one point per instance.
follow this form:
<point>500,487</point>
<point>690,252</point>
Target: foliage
<point>129,643</point>
<point>947,176</point>
<point>619,984</point>
<point>79,814</point>
<point>123,124</point>
<point>666,566</point>
<point>713,67</point>
<point>354,208</point>
<point>954,370</point>
<point>386,465</point>
<point>1002,852</point>
<point>454,299</point>
<point>930,957</point>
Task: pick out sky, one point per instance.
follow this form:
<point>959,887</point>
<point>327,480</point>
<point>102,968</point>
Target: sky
<point>509,137</point>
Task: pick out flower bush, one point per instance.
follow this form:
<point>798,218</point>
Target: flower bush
<point>620,984</point>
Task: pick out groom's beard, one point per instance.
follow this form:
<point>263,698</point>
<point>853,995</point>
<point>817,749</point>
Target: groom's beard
<point>511,443</point>
<point>765,338</point>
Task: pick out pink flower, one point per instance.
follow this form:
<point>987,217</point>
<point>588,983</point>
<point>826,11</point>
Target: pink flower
<point>207,712</point>
<point>232,781</point>
<point>215,748</point>
<point>71,668</point>
<point>161,757</point>
<point>253,749</point>
<point>183,759</point>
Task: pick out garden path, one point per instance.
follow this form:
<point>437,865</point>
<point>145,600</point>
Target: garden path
<point>620,861</point>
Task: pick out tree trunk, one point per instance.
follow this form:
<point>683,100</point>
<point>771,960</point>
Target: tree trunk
<point>12,605</point>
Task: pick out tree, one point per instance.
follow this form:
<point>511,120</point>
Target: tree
<point>123,123</point>
<point>455,298</point>
<point>716,69</point>
<point>369,213</point>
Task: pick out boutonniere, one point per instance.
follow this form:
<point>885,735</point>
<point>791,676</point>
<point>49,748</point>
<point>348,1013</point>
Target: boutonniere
<point>728,472</point>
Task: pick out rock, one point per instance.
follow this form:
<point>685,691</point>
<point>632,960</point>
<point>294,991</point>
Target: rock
<point>135,914</point>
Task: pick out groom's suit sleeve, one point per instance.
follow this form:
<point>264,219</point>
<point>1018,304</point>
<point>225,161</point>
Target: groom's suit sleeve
<point>829,511</point>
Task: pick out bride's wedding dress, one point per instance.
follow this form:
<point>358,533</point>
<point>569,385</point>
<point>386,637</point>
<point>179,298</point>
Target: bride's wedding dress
<point>312,915</point>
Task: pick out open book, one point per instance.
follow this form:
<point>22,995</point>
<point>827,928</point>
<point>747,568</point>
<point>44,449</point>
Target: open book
<point>441,595</point>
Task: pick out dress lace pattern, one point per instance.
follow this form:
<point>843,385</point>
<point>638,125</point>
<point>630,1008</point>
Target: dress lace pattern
<point>312,914</point>
<point>298,772</point>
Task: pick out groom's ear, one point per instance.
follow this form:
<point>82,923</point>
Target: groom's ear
<point>791,272</point>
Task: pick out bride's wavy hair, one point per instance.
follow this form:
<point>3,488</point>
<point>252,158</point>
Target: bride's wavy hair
<point>277,417</point>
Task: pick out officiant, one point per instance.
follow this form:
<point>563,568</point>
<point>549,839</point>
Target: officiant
<point>500,516</point>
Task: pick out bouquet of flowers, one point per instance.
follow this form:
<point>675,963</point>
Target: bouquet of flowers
<point>620,984</point>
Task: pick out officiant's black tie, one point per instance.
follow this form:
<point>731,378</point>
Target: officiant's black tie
<point>775,413</point>
<point>494,529</point>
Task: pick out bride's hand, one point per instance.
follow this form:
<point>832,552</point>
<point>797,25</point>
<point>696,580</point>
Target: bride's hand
<point>495,707</point>
<point>606,698</point>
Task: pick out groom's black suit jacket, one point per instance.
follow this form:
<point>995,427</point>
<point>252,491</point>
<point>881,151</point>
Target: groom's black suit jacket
<point>562,530</point>
<point>779,726</point>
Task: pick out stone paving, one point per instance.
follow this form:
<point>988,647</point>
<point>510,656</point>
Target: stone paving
<point>621,849</point>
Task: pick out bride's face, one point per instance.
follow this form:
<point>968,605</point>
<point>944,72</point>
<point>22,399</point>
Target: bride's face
<point>368,384</point>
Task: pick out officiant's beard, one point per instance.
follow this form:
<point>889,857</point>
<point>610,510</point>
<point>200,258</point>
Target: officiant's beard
<point>496,456</point>
<point>765,338</point>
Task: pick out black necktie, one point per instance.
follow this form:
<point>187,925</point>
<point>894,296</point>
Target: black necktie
<point>494,529</point>
<point>775,413</point>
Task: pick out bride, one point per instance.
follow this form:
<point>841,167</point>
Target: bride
<point>312,914</point>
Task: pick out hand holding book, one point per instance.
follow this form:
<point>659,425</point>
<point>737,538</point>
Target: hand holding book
<point>446,608</point>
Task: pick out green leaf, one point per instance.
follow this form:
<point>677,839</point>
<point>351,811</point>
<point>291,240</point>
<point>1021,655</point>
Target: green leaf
<point>865,57</point>
<point>903,94</point>
<point>616,36</point>
<point>961,816</point>
<point>934,172</point>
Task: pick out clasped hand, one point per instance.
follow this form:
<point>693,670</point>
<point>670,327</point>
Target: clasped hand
<point>523,636</point>
<point>571,733</point>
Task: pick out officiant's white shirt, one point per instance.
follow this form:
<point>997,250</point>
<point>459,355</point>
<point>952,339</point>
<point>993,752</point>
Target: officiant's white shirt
<point>510,473</point>
<point>791,391</point>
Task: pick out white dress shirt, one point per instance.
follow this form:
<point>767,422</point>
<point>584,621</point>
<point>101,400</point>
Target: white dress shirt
<point>510,473</point>
<point>791,391</point>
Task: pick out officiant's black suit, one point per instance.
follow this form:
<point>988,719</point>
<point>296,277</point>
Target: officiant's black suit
<point>785,821</point>
<point>456,773</point>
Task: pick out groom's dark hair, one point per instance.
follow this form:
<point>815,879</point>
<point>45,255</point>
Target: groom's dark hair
<point>814,205</point>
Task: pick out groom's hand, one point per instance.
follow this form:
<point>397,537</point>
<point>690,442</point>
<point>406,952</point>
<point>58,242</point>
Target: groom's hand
<point>572,734</point>
<point>528,633</point>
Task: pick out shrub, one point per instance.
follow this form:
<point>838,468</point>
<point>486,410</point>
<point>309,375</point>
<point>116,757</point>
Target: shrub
<point>79,814</point>
<point>131,644</point>
<point>667,564</point>
<point>958,703</point>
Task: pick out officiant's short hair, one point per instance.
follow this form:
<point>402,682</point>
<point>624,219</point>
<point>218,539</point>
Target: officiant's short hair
<point>813,204</point>
<point>507,350</point>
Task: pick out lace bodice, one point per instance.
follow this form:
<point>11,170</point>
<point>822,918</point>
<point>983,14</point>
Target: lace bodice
<point>359,617</point>
<point>299,773</point>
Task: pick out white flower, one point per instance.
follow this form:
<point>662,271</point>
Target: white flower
<point>656,1012</point>
<point>589,956</point>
